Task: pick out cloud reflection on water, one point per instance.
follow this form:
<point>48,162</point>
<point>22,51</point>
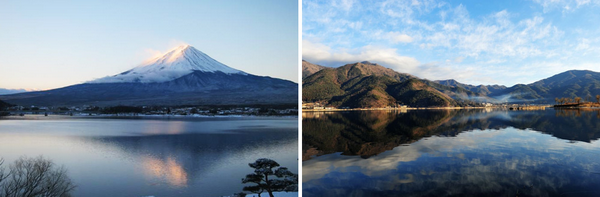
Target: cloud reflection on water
<point>169,170</point>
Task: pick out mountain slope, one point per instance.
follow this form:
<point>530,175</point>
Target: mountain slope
<point>4,105</point>
<point>366,85</point>
<point>328,83</point>
<point>420,94</point>
<point>200,83</point>
<point>568,84</point>
<point>573,83</point>
<point>308,68</point>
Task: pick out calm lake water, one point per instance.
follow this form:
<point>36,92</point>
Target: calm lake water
<point>153,156</point>
<point>452,153</point>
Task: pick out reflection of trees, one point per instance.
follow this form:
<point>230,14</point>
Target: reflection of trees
<point>577,125</point>
<point>577,112</point>
<point>488,163</point>
<point>369,133</point>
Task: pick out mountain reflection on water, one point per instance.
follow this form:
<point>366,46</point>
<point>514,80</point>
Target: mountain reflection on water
<point>452,153</point>
<point>152,157</point>
<point>173,160</point>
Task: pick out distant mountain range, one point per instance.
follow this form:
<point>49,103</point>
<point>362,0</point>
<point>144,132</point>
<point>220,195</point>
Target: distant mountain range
<point>480,89</point>
<point>308,69</point>
<point>182,76</point>
<point>569,84</point>
<point>366,84</point>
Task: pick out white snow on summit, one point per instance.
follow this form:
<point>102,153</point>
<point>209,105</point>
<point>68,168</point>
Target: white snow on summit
<point>176,63</point>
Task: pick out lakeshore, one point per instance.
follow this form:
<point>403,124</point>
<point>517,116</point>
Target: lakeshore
<point>516,107</point>
<point>389,109</point>
<point>578,105</point>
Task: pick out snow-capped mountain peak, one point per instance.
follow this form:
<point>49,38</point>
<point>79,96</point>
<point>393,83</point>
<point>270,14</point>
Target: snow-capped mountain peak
<point>180,61</point>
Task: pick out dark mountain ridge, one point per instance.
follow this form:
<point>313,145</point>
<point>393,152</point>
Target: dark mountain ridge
<point>364,84</point>
<point>182,76</point>
<point>368,85</point>
<point>197,88</point>
<point>4,105</point>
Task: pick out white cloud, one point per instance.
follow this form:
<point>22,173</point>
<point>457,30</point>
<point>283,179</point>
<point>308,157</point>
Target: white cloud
<point>407,10</point>
<point>584,44</point>
<point>565,5</point>
<point>320,53</point>
<point>397,37</point>
<point>355,25</point>
<point>495,35</point>
<point>315,51</point>
<point>582,2</point>
<point>344,4</point>
<point>458,59</point>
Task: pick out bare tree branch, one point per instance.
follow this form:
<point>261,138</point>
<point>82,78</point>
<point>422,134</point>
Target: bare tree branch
<point>34,177</point>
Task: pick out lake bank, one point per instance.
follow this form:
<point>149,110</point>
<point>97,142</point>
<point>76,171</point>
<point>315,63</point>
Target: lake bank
<point>155,116</point>
<point>390,109</point>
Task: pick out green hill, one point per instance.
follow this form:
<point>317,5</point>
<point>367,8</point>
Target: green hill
<point>366,84</point>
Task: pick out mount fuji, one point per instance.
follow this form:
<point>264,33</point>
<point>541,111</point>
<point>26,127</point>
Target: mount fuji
<point>182,76</point>
<point>176,63</point>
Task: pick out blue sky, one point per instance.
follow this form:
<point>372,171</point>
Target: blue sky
<point>51,44</point>
<point>476,42</point>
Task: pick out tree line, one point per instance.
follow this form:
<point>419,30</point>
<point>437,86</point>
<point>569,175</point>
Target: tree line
<point>577,100</point>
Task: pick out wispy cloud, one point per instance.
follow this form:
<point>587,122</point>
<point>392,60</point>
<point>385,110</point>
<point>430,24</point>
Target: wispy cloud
<point>565,5</point>
<point>343,4</point>
<point>495,35</point>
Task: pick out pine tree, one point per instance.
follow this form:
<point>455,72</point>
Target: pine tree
<point>269,179</point>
